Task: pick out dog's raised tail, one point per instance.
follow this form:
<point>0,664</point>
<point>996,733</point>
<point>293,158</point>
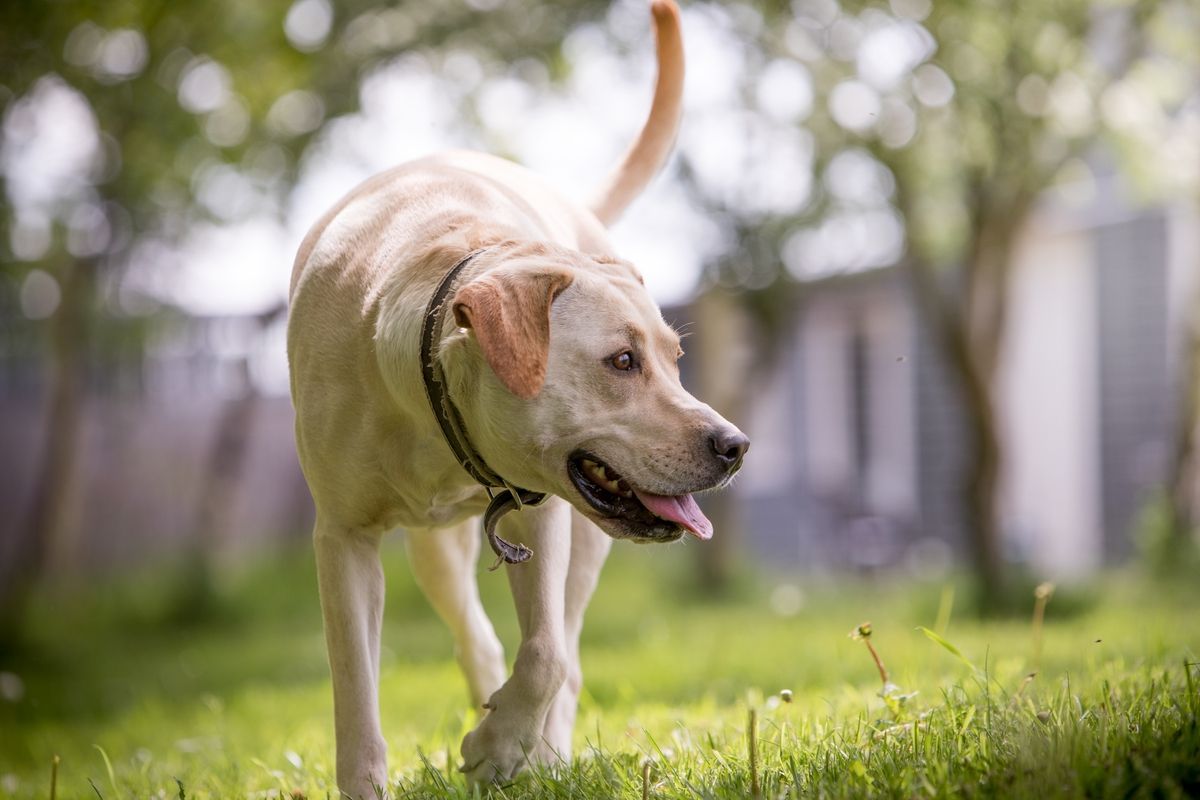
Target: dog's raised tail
<point>657,138</point>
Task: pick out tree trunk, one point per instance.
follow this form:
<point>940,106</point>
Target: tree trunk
<point>721,345</point>
<point>57,476</point>
<point>982,490</point>
<point>1184,477</point>
<point>973,372</point>
<point>196,594</point>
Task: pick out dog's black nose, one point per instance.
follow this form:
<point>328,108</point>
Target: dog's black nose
<point>729,445</point>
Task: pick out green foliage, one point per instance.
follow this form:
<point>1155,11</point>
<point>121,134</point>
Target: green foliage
<point>153,144</point>
<point>242,708</point>
<point>1164,551</point>
<point>188,99</point>
<point>157,139</point>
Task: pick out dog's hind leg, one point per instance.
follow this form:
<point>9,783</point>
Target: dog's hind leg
<point>589,549</point>
<point>351,582</point>
<point>445,562</point>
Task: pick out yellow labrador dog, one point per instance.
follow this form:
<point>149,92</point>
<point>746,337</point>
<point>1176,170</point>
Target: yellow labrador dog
<point>464,342</point>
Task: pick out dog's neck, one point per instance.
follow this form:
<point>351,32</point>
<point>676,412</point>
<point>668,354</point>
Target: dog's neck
<point>437,392</point>
<point>505,496</point>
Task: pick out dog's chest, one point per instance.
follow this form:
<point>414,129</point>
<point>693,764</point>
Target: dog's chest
<point>454,505</point>
<point>416,504</point>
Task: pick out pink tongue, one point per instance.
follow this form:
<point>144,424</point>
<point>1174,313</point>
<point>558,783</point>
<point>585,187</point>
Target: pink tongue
<point>681,509</point>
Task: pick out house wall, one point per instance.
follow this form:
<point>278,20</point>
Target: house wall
<point>887,324</point>
<point>824,338</point>
<point>1049,407</point>
<point>1085,393</point>
<point>828,329</point>
<point>774,503</point>
<point>857,437</point>
<point>142,465</point>
<point>1135,375</point>
<point>940,443</point>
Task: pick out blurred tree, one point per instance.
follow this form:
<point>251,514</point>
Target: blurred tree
<point>965,113</point>
<point>164,94</point>
<point>722,366</point>
<point>181,112</point>
<point>954,115</point>
<point>1177,36</point>
<point>1183,480</point>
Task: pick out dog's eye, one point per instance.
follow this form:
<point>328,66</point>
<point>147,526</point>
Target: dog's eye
<point>623,361</point>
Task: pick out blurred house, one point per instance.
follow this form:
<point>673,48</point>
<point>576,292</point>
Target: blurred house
<point>858,447</point>
<point>154,453</point>
<point>858,442</point>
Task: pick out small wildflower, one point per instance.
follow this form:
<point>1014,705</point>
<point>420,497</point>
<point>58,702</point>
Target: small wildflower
<point>786,695</point>
<point>862,633</point>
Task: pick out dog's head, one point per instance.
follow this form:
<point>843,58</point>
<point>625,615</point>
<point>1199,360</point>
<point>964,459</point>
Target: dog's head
<point>567,377</point>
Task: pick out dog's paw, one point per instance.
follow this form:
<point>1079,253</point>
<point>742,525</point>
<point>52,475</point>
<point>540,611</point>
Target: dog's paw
<point>363,790</point>
<point>495,752</point>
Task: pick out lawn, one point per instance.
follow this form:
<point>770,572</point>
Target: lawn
<point>239,705</point>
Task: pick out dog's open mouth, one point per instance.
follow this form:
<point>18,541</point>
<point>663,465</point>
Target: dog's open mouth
<point>643,515</point>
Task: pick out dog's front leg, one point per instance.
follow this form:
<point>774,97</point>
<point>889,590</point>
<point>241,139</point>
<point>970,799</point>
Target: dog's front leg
<point>589,549</point>
<point>511,732</point>
<point>351,582</point>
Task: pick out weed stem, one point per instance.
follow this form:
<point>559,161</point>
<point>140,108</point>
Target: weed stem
<point>753,733</point>
<point>1041,597</point>
<point>863,632</point>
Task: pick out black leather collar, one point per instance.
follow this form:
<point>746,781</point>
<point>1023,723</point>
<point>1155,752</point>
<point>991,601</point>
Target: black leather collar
<point>505,497</point>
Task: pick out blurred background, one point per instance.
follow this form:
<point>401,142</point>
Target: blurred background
<point>941,260</point>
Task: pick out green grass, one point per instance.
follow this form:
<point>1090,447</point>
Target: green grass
<point>240,706</point>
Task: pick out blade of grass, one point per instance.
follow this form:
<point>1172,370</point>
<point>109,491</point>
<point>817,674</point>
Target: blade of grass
<point>112,775</point>
<point>753,746</point>
<point>945,607</point>
<point>954,651</point>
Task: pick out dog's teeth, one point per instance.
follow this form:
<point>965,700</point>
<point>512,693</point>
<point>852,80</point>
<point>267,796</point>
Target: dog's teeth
<point>605,477</point>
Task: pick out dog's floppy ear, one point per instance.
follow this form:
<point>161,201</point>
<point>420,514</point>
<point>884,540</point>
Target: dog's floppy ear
<point>508,310</point>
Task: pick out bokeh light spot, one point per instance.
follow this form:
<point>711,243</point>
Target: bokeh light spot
<point>204,86</point>
<point>308,23</point>
<point>40,294</point>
